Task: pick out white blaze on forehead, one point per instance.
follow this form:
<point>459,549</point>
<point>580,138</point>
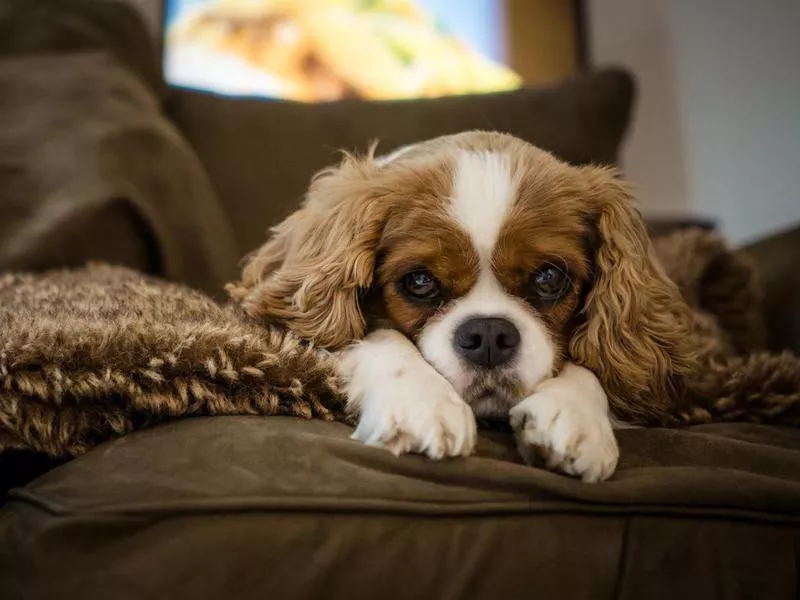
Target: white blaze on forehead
<point>483,192</point>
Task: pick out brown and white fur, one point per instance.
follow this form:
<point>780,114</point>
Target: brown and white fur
<point>495,227</point>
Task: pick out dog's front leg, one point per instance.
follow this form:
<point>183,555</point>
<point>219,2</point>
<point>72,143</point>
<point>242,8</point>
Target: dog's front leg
<point>567,419</point>
<point>402,402</point>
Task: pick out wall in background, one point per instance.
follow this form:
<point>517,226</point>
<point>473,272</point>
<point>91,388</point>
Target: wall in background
<point>718,125</point>
<point>633,34</point>
<point>738,67</point>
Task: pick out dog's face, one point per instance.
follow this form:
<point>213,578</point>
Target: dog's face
<point>496,259</point>
<point>482,274</point>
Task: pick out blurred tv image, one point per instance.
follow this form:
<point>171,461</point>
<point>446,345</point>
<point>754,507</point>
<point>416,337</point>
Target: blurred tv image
<point>323,50</point>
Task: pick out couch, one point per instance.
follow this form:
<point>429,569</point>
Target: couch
<point>100,160</point>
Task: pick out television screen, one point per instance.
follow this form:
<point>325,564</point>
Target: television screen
<point>321,50</point>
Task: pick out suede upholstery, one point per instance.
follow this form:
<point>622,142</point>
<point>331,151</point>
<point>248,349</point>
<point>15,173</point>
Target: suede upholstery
<point>248,507</point>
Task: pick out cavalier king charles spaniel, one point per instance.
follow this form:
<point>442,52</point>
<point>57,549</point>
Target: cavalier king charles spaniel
<point>475,276</point>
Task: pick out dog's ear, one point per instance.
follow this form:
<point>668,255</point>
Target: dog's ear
<point>635,336</point>
<point>309,274</point>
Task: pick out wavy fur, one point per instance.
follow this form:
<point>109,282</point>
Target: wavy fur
<point>636,333</point>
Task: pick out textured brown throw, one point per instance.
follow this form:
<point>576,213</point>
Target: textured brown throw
<point>92,354</point>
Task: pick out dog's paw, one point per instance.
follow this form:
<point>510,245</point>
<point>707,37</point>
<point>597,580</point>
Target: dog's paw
<point>417,410</point>
<point>568,432</point>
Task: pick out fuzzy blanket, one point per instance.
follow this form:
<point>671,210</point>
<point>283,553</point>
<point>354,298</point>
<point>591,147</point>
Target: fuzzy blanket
<point>737,379</point>
<point>95,353</point>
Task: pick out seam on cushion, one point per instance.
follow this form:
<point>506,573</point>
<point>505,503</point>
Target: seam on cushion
<point>623,560</point>
<point>797,564</point>
<point>468,509</point>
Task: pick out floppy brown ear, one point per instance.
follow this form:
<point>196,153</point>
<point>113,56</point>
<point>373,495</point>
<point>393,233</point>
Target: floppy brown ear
<point>308,275</point>
<point>636,334</point>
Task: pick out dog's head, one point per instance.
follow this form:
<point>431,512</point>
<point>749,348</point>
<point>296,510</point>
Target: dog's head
<point>499,261</point>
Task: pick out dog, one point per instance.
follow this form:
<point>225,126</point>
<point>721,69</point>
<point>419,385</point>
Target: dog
<point>476,276</point>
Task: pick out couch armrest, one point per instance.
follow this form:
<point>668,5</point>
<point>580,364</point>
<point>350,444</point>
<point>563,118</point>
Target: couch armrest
<point>90,169</point>
<point>114,233</point>
<point>663,225</point>
<point>776,260</point>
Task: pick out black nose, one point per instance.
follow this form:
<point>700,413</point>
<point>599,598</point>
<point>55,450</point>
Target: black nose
<point>488,342</point>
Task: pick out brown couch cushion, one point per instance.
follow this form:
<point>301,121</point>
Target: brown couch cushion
<point>261,154</point>
<point>246,507</point>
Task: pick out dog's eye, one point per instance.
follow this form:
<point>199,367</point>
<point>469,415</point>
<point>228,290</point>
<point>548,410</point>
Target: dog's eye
<point>549,282</point>
<point>421,285</point>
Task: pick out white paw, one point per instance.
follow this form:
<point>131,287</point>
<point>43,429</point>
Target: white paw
<point>416,410</point>
<point>571,433</point>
